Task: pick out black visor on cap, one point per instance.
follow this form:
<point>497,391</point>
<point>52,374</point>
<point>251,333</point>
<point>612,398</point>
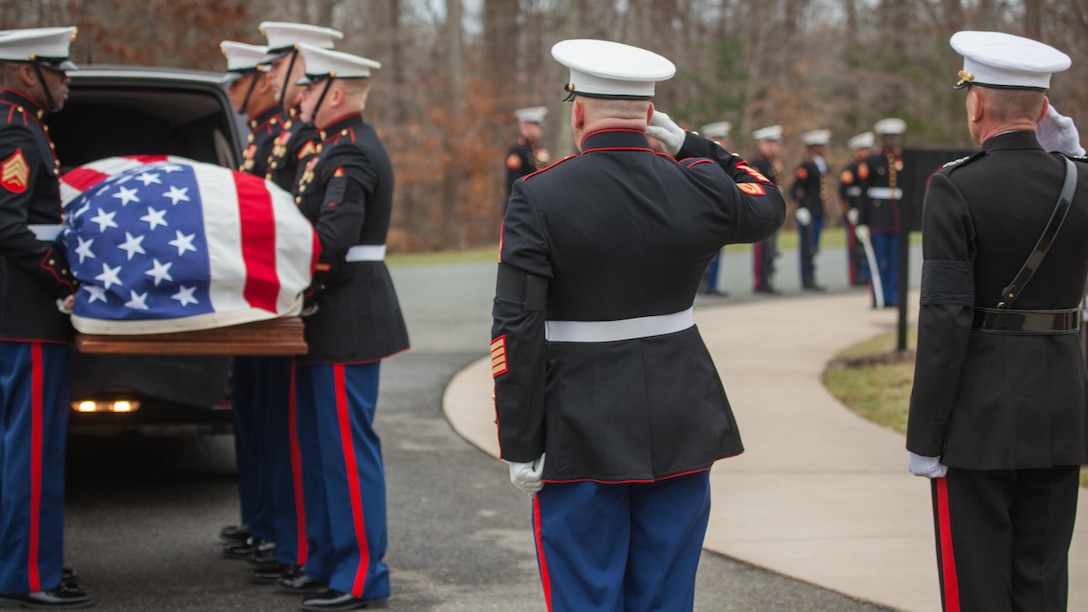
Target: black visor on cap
<point>54,63</point>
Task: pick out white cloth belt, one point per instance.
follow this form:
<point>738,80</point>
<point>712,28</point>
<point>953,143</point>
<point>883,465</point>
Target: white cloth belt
<point>366,252</point>
<point>623,329</point>
<point>853,192</point>
<point>885,193</point>
<point>46,233</point>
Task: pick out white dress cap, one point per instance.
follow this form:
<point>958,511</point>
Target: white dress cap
<point>816,138</point>
<point>865,140</point>
<point>718,129</point>
<point>242,59</point>
<point>773,132</point>
<point>46,46</point>
<point>283,36</point>
<point>996,59</point>
<point>605,69</point>
<point>532,114</point>
<point>323,64</point>
<point>890,126</point>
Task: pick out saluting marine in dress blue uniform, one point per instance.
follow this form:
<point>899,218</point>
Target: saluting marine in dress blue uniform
<point>607,401</point>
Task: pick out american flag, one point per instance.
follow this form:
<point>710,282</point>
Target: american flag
<point>179,245</point>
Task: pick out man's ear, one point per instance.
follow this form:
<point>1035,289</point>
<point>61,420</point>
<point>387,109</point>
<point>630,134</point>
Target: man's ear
<point>650,113</point>
<point>337,95</point>
<point>1042,113</point>
<point>579,114</point>
<point>27,76</point>
<point>978,106</point>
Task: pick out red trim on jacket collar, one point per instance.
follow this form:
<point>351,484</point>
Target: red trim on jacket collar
<point>262,118</point>
<point>333,128</point>
<point>15,97</point>
<point>619,139</point>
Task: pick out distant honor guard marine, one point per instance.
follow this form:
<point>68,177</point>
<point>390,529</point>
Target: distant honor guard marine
<point>878,209</point>
<point>849,194</point>
<point>998,416</point>
<point>601,257</point>
<point>809,192</point>
<point>35,334</point>
<point>527,154</point>
<point>764,252</point>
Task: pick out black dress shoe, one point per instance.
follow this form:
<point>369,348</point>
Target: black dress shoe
<point>338,600</point>
<point>58,598</point>
<point>252,546</point>
<point>296,582</point>
<point>768,290</point>
<point>813,287</point>
<point>235,534</point>
<point>271,575</point>
<point>69,579</point>
<point>264,558</point>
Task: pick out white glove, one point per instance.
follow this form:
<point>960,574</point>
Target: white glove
<point>852,216</point>
<point>1057,132</point>
<point>526,476</point>
<point>665,130</point>
<point>862,232</point>
<point>803,216</point>
<point>929,467</point>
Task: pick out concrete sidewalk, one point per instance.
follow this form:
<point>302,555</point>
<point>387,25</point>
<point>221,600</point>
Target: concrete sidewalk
<point>820,494</point>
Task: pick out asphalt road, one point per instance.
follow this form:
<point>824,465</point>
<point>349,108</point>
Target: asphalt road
<point>143,513</point>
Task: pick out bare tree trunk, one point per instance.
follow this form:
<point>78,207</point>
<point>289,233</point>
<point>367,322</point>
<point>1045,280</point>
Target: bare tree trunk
<point>1033,19</point>
<point>987,14</point>
<point>451,185</point>
<point>322,11</point>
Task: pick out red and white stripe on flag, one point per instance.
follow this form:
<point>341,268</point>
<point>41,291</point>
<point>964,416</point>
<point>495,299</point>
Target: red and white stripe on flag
<point>146,265</point>
<point>80,179</point>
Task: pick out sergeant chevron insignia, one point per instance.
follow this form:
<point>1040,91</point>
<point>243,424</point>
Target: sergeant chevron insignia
<point>14,172</point>
<point>498,356</point>
<point>307,149</point>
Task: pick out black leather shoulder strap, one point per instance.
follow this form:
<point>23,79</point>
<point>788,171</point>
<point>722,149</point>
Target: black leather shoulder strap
<point>1057,218</point>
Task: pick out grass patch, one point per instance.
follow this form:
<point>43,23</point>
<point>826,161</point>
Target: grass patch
<point>483,254</point>
<point>874,380</point>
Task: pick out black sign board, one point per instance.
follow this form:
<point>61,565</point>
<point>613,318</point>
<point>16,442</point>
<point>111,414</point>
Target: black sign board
<point>918,166</point>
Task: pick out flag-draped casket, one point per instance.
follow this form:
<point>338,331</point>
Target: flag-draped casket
<point>165,244</point>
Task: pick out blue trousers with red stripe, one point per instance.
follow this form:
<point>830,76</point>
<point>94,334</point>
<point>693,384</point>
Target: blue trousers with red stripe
<point>285,465</point>
<point>252,397</point>
<point>343,477</point>
<point>33,428</point>
<point>270,482</point>
<point>886,251</point>
<point>615,547</point>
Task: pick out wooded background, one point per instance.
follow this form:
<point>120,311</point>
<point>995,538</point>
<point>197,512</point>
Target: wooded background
<point>453,71</point>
